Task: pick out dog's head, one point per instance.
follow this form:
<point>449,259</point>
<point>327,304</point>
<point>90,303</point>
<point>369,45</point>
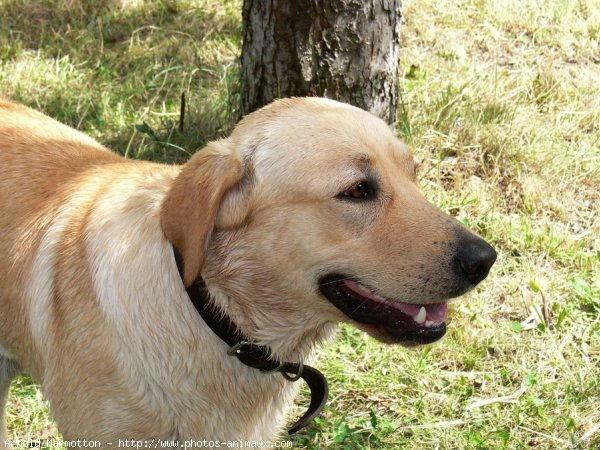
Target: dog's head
<point>310,213</point>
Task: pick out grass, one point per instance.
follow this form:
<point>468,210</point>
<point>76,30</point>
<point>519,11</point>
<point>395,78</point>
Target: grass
<point>499,102</point>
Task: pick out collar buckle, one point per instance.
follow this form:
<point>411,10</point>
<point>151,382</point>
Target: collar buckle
<point>294,376</point>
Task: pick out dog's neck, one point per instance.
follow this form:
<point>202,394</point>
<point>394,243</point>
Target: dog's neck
<point>252,355</point>
<point>216,317</point>
<point>286,342</point>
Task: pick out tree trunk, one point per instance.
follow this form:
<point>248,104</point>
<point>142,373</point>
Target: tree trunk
<point>347,50</point>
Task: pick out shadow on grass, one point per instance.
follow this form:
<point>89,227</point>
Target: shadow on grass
<point>116,69</point>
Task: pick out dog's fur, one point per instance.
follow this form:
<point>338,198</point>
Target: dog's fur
<point>91,301</point>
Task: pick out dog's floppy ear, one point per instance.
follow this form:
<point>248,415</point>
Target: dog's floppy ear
<point>190,208</point>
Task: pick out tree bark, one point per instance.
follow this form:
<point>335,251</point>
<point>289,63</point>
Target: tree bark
<point>347,50</point>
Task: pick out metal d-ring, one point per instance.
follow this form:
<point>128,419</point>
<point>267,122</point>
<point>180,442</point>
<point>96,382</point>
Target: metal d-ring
<point>236,348</point>
<point>298,375</point>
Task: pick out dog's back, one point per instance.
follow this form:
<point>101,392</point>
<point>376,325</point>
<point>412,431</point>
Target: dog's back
<point>38,158</point>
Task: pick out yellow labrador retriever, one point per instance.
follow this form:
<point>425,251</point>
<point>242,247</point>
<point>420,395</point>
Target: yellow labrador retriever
<point>309,214</point>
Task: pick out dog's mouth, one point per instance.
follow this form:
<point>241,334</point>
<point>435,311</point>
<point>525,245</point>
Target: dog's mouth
<point>387,319</point>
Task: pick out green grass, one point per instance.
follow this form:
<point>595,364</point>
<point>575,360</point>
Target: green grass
<point>501,104</point>
<point>109,67</point>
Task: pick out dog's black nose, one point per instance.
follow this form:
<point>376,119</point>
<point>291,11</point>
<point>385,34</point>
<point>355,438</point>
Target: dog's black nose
<point>475,258</point>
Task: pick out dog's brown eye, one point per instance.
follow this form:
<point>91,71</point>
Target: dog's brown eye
<point>359,191</point>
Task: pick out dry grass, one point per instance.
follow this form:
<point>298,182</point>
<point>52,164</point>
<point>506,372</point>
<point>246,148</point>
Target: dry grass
<point>500,103</point>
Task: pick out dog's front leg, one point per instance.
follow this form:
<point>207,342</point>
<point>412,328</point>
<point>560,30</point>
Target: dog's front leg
<point>8,370</point>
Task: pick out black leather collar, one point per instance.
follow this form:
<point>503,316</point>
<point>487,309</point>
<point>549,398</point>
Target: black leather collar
<point>256,356</point>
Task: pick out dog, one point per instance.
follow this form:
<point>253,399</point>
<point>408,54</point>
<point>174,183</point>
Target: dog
<point>309,214</point>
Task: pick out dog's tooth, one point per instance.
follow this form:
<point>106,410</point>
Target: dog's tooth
<point>429,323</point>
<point>420,316</point>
